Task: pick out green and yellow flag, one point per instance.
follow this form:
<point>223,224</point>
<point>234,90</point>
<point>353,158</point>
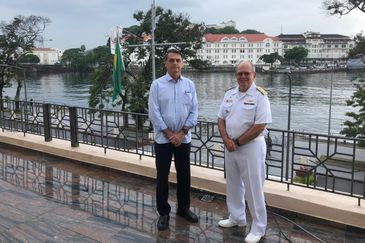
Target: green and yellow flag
<point>118,70</point>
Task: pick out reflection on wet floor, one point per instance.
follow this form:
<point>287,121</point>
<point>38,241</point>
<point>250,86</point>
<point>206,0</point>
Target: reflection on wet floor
<point>45,198</point>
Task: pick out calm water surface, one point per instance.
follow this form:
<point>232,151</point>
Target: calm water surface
<point>310,95</point>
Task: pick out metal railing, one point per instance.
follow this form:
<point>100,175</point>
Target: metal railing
<point>317,161</point>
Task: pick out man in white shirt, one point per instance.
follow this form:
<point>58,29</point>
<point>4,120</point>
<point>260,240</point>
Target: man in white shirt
<point>242,119</point>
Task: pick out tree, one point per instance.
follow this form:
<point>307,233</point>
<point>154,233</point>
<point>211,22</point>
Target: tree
<point>271,58</point>
<point>76,58</point>
<point>170,28</point>
<point>356,127</point>
<point>17,38</point>
<point>296,54</point>
<point>343,7</point>
<point>29,58</point>
<point>224,30</point>
<point>251,31</point>
<point>359,48</point>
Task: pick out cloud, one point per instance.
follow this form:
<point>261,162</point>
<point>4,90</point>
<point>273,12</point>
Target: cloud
<point>77,22</point>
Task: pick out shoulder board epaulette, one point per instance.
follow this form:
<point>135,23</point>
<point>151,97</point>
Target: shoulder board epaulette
<point>261,90</point>
<point>230,88</point>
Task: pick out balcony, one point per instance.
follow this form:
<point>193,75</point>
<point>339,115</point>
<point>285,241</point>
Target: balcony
<point>122,142</point>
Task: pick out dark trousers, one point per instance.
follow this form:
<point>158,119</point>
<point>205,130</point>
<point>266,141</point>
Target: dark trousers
<point>164,154</point>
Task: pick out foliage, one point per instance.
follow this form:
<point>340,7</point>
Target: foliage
<point>101,80</point>
<point>271,58</point>
<point>170,28</point>
<point>304,175</point>
<point>225,30</point>
<point>356,126</point>
<point>251,31</point>
<point>296,54</point>
<point>343,7</point>
<point>200,64</point>
<point>17,38</point>
<point>29,58</point>
<point>359,48</point>
<point>307,180</point>
<point>76,58</point>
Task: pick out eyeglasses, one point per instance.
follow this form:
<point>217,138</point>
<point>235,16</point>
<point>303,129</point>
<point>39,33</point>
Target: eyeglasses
<point>239,74</point>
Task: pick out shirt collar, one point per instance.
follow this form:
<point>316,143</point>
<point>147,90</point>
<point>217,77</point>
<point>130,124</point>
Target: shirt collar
<point>169,78</point>
<point>250,90</point>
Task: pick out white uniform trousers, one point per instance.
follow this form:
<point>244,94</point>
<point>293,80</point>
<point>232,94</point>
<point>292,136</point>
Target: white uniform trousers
<point>245,172</point>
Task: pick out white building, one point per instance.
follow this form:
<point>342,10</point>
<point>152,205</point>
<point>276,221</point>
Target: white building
<point>229,49</point>
<point>48,56</point>
<point>330,48</point>
<point>222,25</point>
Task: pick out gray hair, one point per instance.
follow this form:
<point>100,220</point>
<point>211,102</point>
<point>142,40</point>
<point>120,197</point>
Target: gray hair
<point>244,61</point>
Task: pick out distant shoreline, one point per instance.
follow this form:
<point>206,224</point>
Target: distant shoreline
<point>216,69</point>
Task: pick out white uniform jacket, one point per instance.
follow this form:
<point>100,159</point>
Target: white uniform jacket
<point>242,110</point>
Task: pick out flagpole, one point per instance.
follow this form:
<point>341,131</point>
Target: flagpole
<point>153,12</point>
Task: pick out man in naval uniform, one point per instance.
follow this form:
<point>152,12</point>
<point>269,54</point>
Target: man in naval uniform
<point>242,119</point>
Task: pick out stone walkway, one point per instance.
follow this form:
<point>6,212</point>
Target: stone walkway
<point>51,199</point>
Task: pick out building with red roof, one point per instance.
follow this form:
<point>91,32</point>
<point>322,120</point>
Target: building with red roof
<point>229,49</point>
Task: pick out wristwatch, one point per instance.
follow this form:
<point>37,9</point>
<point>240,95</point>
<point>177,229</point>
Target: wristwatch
<point>185,130</point>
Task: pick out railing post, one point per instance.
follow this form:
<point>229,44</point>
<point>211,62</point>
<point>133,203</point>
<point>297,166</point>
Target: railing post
<point>73,127</point>
<point>47,122</point>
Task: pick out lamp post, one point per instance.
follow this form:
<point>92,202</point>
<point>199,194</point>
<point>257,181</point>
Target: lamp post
<point>289,104</point>
<point>330,108</point>
<point>153,27</point>
<point>288,137</point>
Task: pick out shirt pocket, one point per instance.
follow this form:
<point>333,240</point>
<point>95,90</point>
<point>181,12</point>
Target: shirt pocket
<point>187,99</point>
<point>248,112</point>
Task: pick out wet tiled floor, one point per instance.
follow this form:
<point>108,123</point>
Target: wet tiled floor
<point>50,199</point>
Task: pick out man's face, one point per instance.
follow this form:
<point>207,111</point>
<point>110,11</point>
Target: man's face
<point>174,64</point>
<point>245,76</point>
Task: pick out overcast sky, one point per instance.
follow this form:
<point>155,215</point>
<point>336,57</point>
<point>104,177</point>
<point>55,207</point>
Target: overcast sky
<point>89,22</point>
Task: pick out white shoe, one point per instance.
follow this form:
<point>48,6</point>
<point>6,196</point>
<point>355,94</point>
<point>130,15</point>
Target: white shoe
<point>228,223</point>
<point>251,238</point>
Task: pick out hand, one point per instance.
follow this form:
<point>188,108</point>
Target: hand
<point>230,145</point>
<point>177,138</point>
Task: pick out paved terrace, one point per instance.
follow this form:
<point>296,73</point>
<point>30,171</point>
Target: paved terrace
<point>53,199</point>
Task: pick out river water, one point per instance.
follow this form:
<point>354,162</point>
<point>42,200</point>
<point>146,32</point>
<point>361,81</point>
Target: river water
<point>309,106</point>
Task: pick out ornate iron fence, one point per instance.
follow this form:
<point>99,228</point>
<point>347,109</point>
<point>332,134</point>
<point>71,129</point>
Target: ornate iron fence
<point>318,161</point>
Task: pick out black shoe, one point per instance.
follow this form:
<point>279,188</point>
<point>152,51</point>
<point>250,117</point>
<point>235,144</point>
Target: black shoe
<point>188,215</point>
<point>163,222</point>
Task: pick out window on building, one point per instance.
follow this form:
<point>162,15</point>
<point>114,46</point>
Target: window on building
<point>268,44</point>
